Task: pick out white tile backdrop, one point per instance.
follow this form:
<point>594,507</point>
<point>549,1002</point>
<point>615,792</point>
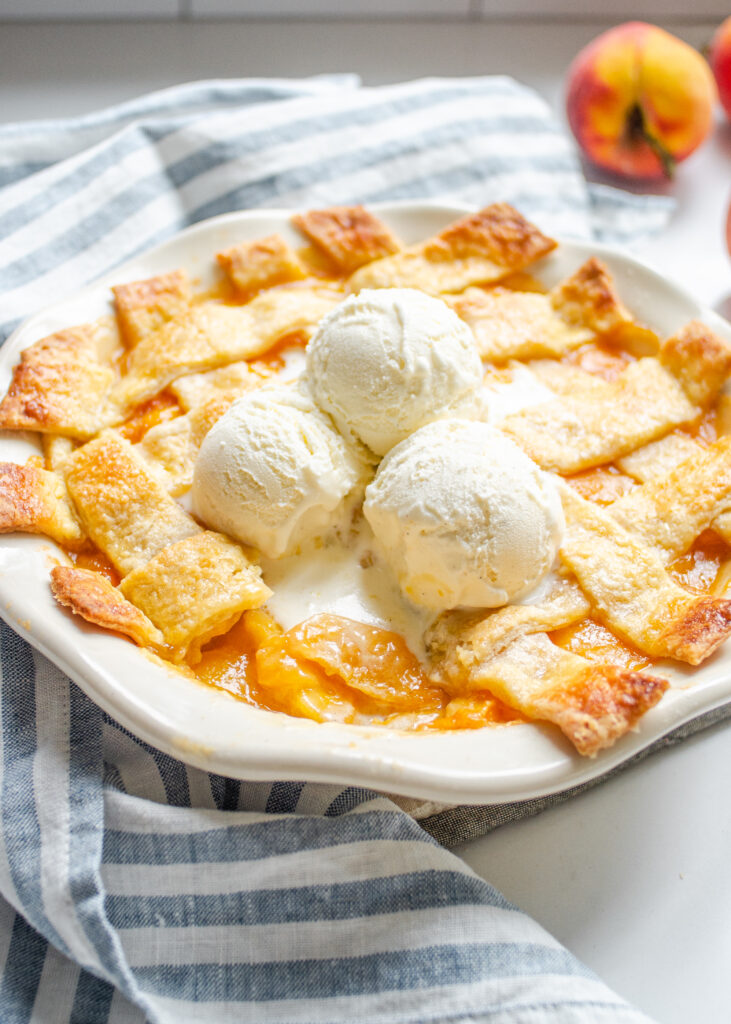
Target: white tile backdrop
<point>330,8</point>
<point>652,10</point>
<point>46,10</point>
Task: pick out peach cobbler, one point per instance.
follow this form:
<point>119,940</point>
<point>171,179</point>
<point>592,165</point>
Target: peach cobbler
<point>365,482</point>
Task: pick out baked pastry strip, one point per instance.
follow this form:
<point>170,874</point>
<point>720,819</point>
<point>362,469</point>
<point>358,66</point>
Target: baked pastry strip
<point>194,590</point>
<point>592,704</point>
<point>628,587</point>
<point>589,298</point>
<point>349,236</point>
<point>516,325</point>
<point>198,388</point>
<point>262,263</point>
<point>669,512</point>
<point>564,379</point>
<point>509,324</point>
<point>659,457</point>
<point>699,359</point>
<point>212,335</point>
<point>457,640</point>
<point>170,449</point>
<point>124,509</point>
<point>34,500</point>
<point>482,247</point>
<point>508,653</point>
<point>94,598</point>
<point>290,309</point>
<point>576,432</point>
<point>59,385</point>
<point>646,401</point>
<point>144,306</point>
<point>56,449</point>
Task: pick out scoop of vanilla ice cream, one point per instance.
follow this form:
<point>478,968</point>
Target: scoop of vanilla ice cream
<point>464,517</point>
<point>273,471</point>
<point>387,361</point>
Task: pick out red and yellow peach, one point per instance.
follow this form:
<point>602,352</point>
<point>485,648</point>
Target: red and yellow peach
<point>720,60</point>
<point>639,100</point>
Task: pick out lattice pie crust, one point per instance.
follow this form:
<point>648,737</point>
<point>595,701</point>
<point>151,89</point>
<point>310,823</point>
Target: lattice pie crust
<point>635,432</point>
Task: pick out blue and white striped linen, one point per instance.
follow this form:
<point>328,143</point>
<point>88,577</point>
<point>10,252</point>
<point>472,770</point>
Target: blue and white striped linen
<point>137,888</point>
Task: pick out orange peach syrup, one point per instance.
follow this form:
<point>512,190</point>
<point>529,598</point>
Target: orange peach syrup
<point>273,361</point>
<point>90,557</point>
<point>595,642</point>
<point>520,282</point>
<point>698,569</point>
<point>599,358</point>
<point>602,485</point>
<point>333,668</point>
<point>160,409</point>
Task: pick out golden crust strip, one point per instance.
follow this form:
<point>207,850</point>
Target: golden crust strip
<point>592,704</point>
<point>574,433</point>
<point>198,388</point>
<point>669,512</point>
<point>482,247</point>
<point>171,449</point>
<point>516,325</point>
<point>629,588</point>
<point>195,590</point>
<point>659,457</point>
<point>56,450</point>
<point>208,336</point>
<point>58,386</point>
<point>700,359</point>
<point>290,310</point>
<point>125,510</point>
<point>263,263</point>
<point>458,640</point>
<point>92,596</point>
<point>510,324</point>
<point>212,335</point>
<point>350,236</point>
<point>564,379</point>
<point>144,306</point>
<point>589,298</point>
<point>33,500</point>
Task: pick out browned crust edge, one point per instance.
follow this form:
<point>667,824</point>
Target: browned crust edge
<point>603,704</point>
<point>497,231</point>
<point>694,636</point>
<point>93,597</point>
<point>350,236</point>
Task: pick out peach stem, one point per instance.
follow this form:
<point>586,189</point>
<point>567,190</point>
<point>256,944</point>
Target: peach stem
<point>637,129</point>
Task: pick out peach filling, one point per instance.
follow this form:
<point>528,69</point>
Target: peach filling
<point>333,668</point>
<point>595,642</point>
<point>698,568</point>
<point>160,409</point>
<point>602,485</point>
<point>90,557</point>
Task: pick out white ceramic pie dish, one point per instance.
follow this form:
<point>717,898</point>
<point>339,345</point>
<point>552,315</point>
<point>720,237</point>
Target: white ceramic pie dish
<point>214,731</point>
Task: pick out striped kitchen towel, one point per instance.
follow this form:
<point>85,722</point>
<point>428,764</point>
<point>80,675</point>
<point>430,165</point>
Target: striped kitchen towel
<point>134,887</point>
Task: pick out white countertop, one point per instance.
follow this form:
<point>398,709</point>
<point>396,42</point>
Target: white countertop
<point>632,876</point>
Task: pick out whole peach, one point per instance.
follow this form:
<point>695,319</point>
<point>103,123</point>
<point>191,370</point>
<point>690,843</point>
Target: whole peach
<point>720,59</point>
<point>639,100</point>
